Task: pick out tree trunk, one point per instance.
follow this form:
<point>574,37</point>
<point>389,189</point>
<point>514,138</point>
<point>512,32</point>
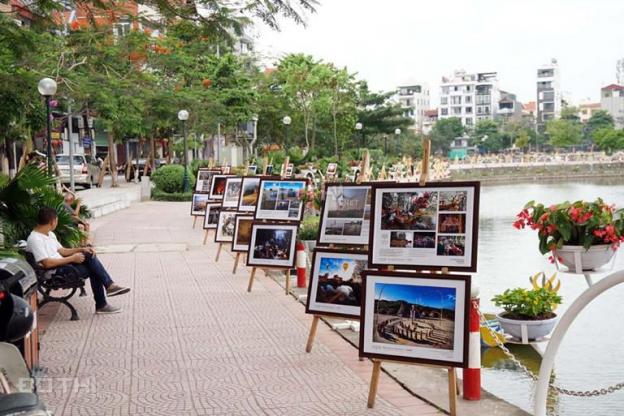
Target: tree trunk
<point>335,132</point>
<point>313,140</point>
<point>112,160</point>
<point>152,146</point>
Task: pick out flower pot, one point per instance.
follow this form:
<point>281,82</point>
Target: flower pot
<point>534,329</point>
<point>310,245</point>
<point>577,259</point>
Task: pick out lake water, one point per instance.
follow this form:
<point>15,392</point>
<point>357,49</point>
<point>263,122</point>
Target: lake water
<point>592,354</point>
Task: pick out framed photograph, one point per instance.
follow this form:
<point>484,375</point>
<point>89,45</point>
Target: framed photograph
<point>272,245</point>
<point>336,283</point>
<point>280,200</point>
<point>250,188</point>
<point>217,186</point>
<point>252,169</point>
<point>289,170</point>
<point>232,191</point>
<point>226,169</point>
<point>204,177</point>
<point>242,232</point>
<point>198,204</point>
<point>345,215</point>
<point>269,170</point>
<point>425,227</point>
<point>225,226</point>
<point>211,217</point>
<point>332,168</point>
<point>415,317</point>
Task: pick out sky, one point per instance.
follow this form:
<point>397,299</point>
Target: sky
<point>434,297</point>
<point>392,42</point>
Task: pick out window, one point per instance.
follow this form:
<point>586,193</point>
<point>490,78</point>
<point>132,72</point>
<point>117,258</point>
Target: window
<point>444,111</point>
<point>468,99</point>
<point>469,121</point>
<point>483,99</point>
<point>443,100</point>
<point>403,91</point>
<point>456,99</point>
<point>456,110</point>
<point>468,110</point>
<point>445,90</point>
<point>408,102</point>
<point>455,88</point>
<point>121,28</point>
<point>479,110</point>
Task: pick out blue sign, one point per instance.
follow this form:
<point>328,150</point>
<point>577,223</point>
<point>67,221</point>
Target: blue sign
<point>86,141</point>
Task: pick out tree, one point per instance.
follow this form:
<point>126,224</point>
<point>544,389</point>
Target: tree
<point>600,119</point>
<point>609,139</point>
<point>563,133</point>
<point>444,132</point>
<point>487,135</point>
<point>570,113</point>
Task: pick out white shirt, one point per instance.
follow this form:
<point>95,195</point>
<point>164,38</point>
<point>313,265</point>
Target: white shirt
<point>43,246</point>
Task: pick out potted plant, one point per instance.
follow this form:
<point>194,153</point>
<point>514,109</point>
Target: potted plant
<point>309,231</point>
<point>533,308</point>
<point>580,235</point>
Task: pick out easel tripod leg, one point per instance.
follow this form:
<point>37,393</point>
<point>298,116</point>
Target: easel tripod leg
<point>312,334</point>
<point>236,263</point>
<point>452,387</point>
<point>251,279</point>
<point>372,392</point>
<point>205,237</point>
<point>194,221</point>
<point>219,252</point>
<point>287,282</point>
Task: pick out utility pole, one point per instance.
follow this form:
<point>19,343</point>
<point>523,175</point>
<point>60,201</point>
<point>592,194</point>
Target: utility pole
<point>72,183</point>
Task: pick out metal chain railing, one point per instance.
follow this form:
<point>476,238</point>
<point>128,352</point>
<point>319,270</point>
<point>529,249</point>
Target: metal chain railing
<point>529,373</point>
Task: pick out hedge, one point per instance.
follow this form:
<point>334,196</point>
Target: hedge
<point>170,178</point>
<point>158,195</point>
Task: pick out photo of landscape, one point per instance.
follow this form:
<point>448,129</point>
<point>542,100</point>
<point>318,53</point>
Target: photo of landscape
<point>345,202</point>
<point>414,315</point>
<point>409,211</point>
<point>280,199</point>
<point>198,206</point>
<point>242,234</point>
<point>250,189</point>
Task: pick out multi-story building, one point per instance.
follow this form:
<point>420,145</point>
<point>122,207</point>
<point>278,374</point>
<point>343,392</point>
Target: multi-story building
<point>431,116</point>
<point>469,97</point>
<point>548,93</point>
<point>509,108</point>
<point>612,100</point>
<point>586,110</point>
<point>414,98</point>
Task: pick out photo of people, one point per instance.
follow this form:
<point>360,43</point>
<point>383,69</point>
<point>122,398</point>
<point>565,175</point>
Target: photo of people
<point>217,187</point>
<point>242,232</point>
<point>409,211</point>
<point>400,239</point>
<point>249,194</point>
<point>198,205</point>
<point>225,227</point>
<point>232,192</point>
<point>453,200</point>
<point>452,224</point>
<point>414,315</point>
<point>451,245</point>
<point>280,200</point>
<point>272,245</point>
<point>211,218</point>
<point>346,202</point>
<point>424,240</point>
<point>336,282</point>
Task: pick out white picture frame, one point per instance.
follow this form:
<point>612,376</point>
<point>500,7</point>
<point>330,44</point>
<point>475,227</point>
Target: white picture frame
<point>250,189</point>
<point>225,227</point>
<point>211,216</point>
<point>280,199</point>
<point>345,214</point>
<point>272,245</point>
<point>198,204</point>
<point>231,195</point>
<point>217,186</point>
<point>242,233</point>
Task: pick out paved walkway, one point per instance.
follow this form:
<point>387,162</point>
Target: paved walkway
<point>192,341</point>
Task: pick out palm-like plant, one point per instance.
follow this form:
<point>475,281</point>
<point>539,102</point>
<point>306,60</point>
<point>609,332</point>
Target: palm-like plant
<point>20,201</point>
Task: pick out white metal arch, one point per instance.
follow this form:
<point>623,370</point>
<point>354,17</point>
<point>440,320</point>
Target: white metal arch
<point>541,391</point>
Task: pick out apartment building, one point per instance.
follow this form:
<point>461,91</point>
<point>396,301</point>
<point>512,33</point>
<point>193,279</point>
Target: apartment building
<point>469,97</point>
<point>549,99</point>
<point>586,110</point>
<point>612,100</point>
<point>431,116</point>
<point>415,100</point>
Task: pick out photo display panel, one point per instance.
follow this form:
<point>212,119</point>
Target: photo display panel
<point>211,217</point>
<point>280,200</point>
<point>428,227</point>
<point>345,218</point>
<point>272,245</point>
<point>204,178</point>
<point>232,191</point>
<point>198,204</point>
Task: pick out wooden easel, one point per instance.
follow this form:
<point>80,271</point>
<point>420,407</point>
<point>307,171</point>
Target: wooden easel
<point>253,274</point>
<point>219,251</point>
<point>194,221</point>
<point>206,234</point>
<point>236,261</point>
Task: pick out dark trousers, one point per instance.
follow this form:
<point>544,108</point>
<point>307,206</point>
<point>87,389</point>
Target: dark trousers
<point>98,277</point>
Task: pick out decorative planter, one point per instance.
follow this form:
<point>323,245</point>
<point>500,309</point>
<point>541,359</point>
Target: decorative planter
<point>534,329</point>
<point>577,259</point>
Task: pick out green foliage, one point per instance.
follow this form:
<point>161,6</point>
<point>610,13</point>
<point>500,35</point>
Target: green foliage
<point>170,178</point>
<point>600,119</point>
<point>198,163</point>
<point>20,201</point>
<point>579,224</point>
<point>570,113</point>
<point>158,195</point>
<point>563,133</point>
<point>526,304</point>
<point>609,139</point>
<point>309,229</point>
<point>443,133</point>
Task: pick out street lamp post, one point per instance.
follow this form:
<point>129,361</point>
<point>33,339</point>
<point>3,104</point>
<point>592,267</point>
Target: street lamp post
<point>183,115</point>
<point>286,120</point>
<point>358,127</point>
<point>385,144</point>
<point>397,133</point>
<point>47,88</point>
<point>255,135</point>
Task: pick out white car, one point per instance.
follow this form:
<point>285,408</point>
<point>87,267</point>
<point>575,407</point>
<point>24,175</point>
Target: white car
<point>86,169</point>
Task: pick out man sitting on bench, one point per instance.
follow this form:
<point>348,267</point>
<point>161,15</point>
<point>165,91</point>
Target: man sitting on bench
<point>48,252</point>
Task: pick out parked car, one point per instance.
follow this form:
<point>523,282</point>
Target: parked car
<point>86,169</point>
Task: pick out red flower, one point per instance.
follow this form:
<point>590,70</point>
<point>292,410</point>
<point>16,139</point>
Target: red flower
<point>518,224</point>
<point>551,228</point>
<point>544,217</point>
<point>552,208</point>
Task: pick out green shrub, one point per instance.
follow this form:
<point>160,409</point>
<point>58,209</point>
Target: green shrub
<point>170,178</point>
<point>526,304</point>
<point>309,228</point>
<point>198,163</point>
<point>158,195</point>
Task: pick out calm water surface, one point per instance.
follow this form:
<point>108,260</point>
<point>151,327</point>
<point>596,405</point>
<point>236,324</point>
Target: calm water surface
<point>592,354</point>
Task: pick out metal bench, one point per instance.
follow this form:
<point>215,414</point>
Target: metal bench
<point>50,281</point>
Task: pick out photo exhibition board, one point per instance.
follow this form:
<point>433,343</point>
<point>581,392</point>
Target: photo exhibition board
<point>250,188</point>
<point>232,190</point>
<point>272,245</point>
<point>211,217</point>
<point>242,233</point>
<point>415,317</point>
<point>425,227</point>
<point>198,204</point>
<point>280,200</point>
<point>225,226</point>
<point>204,179</point>
<point>336,283</point>
<point>217,186</point>
<point>345,215</point>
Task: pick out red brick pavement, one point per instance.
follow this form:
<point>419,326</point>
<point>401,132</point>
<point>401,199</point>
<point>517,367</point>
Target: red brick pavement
<point>192,341</point>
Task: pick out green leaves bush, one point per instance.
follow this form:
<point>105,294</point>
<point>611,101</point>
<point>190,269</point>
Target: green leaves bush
<point>526,304</point>
<point>170,179</point>
<point>309,228</point>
